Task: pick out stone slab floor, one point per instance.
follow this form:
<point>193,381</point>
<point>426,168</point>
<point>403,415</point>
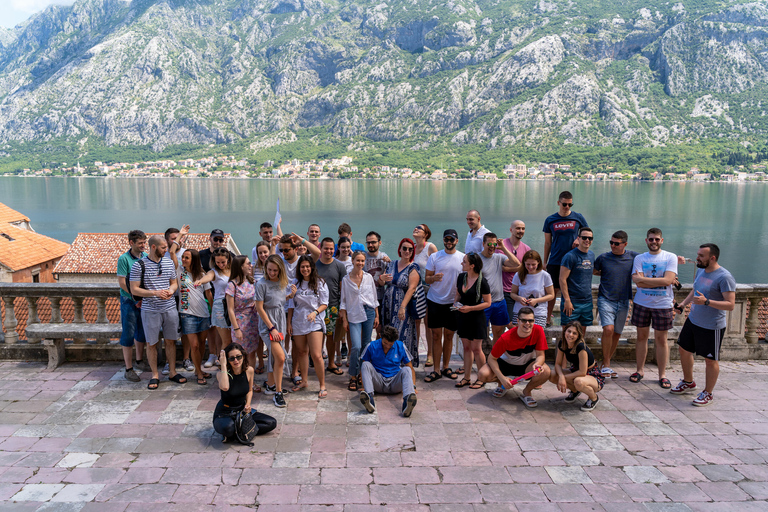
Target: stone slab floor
<point>81,438</point>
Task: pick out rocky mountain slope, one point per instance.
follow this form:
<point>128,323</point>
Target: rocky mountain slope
<point>495,72</point>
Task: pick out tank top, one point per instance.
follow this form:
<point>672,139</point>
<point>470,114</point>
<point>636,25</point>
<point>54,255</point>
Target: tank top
<point>421,260</point>
<point>219,285</point>
<point>238,390</point>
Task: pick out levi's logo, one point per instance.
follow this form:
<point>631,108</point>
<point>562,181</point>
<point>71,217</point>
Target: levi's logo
<point>566,225</point>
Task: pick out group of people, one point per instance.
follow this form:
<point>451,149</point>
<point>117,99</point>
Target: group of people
<point>312,298</point>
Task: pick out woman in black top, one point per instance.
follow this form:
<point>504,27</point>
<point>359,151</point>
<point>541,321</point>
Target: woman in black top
<point>474,293</point>
<point>236,385</point>
<point>582,374</point>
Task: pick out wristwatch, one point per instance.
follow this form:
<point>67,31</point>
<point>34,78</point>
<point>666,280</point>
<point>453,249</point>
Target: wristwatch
<point>706,302</point>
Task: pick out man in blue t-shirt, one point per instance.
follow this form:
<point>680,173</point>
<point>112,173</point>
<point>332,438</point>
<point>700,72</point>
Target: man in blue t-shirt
<point>387,368</point>
<point>714,293</point>
<point>615,270</point>
<point>560,232</point>
<point>576,270</point>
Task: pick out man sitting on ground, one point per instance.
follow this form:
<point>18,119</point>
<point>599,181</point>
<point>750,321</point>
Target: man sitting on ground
<point>386,368</point>
<point>517,352</point>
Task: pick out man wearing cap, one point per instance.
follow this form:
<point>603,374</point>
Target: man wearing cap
<point>217,240</point>
<point>442,270</point>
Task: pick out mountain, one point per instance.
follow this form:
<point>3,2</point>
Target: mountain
<point>491,72</point>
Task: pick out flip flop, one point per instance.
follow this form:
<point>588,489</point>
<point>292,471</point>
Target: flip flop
<point>259,370</point>
<point>323,393</point>
<point>429,363</point>
<point>635,377</point>
<point>207,375</point>
<point>153,384</point>
<point>335,371</point>
<point>178,379</point>
<point>664,383</point>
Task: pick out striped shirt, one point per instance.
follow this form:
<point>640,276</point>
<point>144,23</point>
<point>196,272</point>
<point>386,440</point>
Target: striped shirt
<point>519,351</point>
<point>157,276</point>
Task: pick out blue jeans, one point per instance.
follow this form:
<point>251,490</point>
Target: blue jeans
<point>359,338</point>
<point>130,317</point>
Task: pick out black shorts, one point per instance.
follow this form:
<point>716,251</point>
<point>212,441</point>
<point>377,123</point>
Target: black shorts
<point>554,272</point>
<point>440,316</point>
<point>513,370</point>
<point>701,341</point>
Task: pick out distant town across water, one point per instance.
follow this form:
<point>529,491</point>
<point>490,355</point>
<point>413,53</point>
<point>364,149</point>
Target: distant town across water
<point>690,213</point>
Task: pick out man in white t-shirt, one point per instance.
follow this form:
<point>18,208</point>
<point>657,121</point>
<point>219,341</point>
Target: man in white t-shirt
<point>474,241</point>
<point>653,272</point>
<point>443,268</point>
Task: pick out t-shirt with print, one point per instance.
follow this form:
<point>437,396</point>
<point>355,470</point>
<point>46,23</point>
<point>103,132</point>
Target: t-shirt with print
<point>388,365</point>
<point>655,265</point>
<point>712,285</point>
<point>444,291</point>
<point>581,265</point>
<point>124,264</point>
<point>518,351</point>
<point>564,231</point>
<point>375,265</point>
<point>615,275</point>
<point>534,288</point>
<point>157,276</point>
<point>192,298</point>
<point>332,273</point>
<point>518,253</point>
<point>493,274</point>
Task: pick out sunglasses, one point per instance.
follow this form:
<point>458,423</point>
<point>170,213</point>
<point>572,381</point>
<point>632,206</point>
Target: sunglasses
<point>160,270</point>
<point>589,238</point>
<point>449,239</point>
<point>615,243</point>
<point>525,320</point>
<point>232,359</point>
<point>654,239</point>
<point>286,250</point>
<point>491,245</point>
<point>406,249</point>
<point>218,239</point>
<point>419,228</point>
<point>567,205</point>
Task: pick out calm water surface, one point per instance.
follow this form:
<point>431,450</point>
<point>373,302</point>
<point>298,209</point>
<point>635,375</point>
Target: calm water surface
<point>734,216</point>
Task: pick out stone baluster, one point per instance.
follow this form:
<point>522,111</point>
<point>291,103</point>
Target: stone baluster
<point>753,321</point>
<point>101,308</point>
<point>79,319</point>
<point>56,310</point>
<point>32,317</point>
<point>11,336</point>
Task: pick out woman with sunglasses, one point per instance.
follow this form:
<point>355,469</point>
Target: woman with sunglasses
<point>272,292</point>
<point>236,385</point>
<point>474,295</point>
<point>306,321</point>
<point>422,250</point>
<point>403,278</point>
<point>532,286</point>
<point>240,296</point>
<point>193,309</point>
<point>219,275</point>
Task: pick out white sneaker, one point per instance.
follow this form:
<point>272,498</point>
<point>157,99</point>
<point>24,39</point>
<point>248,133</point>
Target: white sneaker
<point>209,362</point>
<point>166,369</point>
<point>188,365</point>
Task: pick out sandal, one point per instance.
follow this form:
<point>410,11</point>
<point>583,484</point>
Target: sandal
<point>448,372</point>
<point>432,377</point>
<point>323,393</point>
<point>635,377</point>
<point>477,385</point>
<point>178,379</point>
<point>153,384</point>
<point>352,386</point>
<point>529,401</point>
<point>462,383</point>
<point>296,380</point>
<point>207,375</point>
<point>429,363</point>
<point>460,371</point>
<point>259,369</point>
<point>256,388</point>
<point>664,383</point>
<point>201,381</point>
<point>298,387</point>
<point>335,371</point>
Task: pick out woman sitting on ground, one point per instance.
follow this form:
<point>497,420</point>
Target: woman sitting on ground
<point>582,374</point>
<point>236,385</point>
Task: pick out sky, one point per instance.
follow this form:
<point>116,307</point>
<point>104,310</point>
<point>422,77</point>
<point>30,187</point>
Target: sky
<point>14,12</point>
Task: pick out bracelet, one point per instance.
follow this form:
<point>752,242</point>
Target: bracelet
<point>237,329</point>
<point>272,328</point>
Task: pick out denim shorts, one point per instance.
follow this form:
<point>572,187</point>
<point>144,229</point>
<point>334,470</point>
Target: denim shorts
<point>582,313</point>
<point>191,324</point>
<point>613,312</point>
<point>497,314</point>
<point>217,315</point>
<point>130,317</point>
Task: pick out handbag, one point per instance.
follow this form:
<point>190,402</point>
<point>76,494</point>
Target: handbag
<point>226,308</point>
<point>245,428</point>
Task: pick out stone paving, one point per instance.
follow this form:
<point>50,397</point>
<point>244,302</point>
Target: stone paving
<point>81,438</point>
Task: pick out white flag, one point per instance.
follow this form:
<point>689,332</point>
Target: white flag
<point>278,218</point>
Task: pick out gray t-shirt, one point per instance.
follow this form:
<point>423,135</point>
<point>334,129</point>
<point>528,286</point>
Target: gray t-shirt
<point>274,298</point>
<point>493,274</point>
<point>332,273</point>
<point>376,265</point>
<point>712,285</point>
<point>615,275</point>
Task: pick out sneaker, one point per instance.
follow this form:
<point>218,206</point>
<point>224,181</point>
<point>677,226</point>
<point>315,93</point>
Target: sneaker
<point>705,398</point>
<point>188,366</point>
<point>409,403</point>
<point>142,365</point>
<point>209,362</point>
<point>279,400</point>
<point>166,369</point>
<point>683,388</point>
<point>131,375</point>
<point>269,390</point>
<point>590,404</point>
<point>344,351</point>
<point>572,396</point>
<point>368,402</point>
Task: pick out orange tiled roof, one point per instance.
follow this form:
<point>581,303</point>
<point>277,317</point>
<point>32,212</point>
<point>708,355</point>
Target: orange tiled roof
<point>10,215</point>
<point>97,253</point>
<point>20,249</point>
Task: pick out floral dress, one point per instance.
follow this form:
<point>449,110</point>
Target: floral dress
<point>247,318</point>
<point>393,299</point>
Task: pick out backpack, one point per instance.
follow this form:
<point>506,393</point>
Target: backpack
<point>141,283</point>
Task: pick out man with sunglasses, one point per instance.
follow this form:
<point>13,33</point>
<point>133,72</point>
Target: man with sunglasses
<point>494,266</point>
<point>653,272</point>
<point>560,232</point>
<point>217,240</point>
<point>153,278</point>
<point>517,352</point>
<point>576,270</point>
<point>615,270</point>
<point>376,264</point>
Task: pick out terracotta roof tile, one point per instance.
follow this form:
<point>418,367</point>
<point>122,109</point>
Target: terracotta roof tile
<point>97,253</point>
<point>20,249</point>
<point>10,215</point>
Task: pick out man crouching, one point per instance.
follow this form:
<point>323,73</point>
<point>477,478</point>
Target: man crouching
<point>386,368</point>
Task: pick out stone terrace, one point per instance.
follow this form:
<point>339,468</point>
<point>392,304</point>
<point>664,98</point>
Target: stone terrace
<point>82,438</point>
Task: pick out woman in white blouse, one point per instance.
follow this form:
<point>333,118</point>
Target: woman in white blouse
<point>306,321</point>
<point>359,314</point>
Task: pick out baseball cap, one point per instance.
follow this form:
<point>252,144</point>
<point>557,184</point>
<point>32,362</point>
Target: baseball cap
<point>451,232</point>
<point>217,232</point>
